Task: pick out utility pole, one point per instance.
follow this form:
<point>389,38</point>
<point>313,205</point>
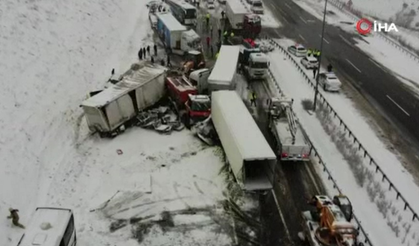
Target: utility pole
<point>320,58</point>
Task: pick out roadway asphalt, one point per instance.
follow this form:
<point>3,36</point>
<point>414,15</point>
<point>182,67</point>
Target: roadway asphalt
<point>295,183</point>
<point>381,88</point>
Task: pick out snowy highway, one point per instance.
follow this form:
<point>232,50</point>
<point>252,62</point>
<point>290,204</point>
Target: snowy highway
<point>296,183</point>
<point>382,88</point>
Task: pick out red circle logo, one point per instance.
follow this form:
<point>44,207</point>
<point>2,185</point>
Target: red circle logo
<point>364,26</point>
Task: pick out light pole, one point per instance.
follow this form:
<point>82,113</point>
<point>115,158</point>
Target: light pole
<point>320,58</point>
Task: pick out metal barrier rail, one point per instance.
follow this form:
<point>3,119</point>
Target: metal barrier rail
<point>321,162</point>
<point>356,15</point>
<point>355,139</point>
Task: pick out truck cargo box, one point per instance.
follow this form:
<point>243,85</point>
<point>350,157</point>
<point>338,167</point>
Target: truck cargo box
<point>223,75</point>
<point>248,153</point>
<point>119,103</point>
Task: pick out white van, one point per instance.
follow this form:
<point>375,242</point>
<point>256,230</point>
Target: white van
<point>50,227</point>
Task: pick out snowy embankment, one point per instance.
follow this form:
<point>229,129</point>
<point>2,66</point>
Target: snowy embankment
<point>393,221</point>
<point>403,12</point>
<point>53,53</point>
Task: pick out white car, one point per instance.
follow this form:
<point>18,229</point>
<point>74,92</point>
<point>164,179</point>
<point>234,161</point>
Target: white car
<point>297,50</point>
<point>310,62</point>
<point>257,7</point>
<point>210,4</point>
<point>329,81</point>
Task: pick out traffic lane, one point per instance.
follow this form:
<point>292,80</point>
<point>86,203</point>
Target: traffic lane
<point>388,93</point>
<point>382,86</point>
<point>295,180</point>
<point>281,196</point>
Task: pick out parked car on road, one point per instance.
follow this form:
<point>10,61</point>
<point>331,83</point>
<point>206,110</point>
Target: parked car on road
<point>329,81</point>
<point>310,62</point>
<point>257,7</point>
<point>210,4</point>
<point>297,50</point>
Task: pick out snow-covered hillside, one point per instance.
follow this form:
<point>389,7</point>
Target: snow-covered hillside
<point>402,12</point>
<point>52,53</point>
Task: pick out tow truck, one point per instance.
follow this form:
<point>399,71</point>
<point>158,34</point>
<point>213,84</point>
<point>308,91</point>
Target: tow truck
<point>291,144</point>
<point>190,106</point>
<point>328,225</point>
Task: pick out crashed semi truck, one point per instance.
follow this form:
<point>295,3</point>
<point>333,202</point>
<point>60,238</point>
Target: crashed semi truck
<point>223,74</point>
<point>176,37</point>
<point>112,109</point>
<point>248,153</point>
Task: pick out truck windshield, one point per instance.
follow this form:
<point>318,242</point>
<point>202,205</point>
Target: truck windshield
<point>200,106</point>
<point>257,4</point>
<point>259,65</point>
<point>190,13</point>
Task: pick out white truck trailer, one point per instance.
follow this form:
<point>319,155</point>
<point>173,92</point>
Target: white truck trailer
<point>175,36</point>
<point>235,12</point>
<point>291,144</point>
<point>110,110</point>
<point>248,153</point>
<point>223,75</point>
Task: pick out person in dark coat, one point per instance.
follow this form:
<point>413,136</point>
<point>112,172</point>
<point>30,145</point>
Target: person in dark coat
<point>222,14</point>
<point>219,34</point>
<point>152,59</point>
<point>140,54</point>
<point>329,68</point>
<point>148,49</point>
<point>15,217</point>
<point>314,72</point>
<point>144,53</point>
<point>155,49</point>
<point>212,51</point>
<point>168,61</point>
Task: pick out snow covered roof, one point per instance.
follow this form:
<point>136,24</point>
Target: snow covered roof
<point>237,7</point>
<point>247,135</point>
<point>171,22</point>
<point>226,64</point>
<point>46,227</point>
<point>130,81</point>
<point>183,4</point>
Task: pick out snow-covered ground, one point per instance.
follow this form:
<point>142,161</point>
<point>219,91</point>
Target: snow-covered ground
<point>294,85</point>
<point>53,53</point>
<point>399,11</point>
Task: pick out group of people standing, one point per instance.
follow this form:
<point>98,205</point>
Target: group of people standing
<point>146,51</point>
<point>314,52</point>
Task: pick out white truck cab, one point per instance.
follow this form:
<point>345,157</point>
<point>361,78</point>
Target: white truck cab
<point>190,40</point>
<point>258,65</point>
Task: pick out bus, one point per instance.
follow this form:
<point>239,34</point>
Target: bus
<point>50,227</point>
<point>184,12</point>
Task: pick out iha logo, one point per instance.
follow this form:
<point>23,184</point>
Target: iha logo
<point>364,26</point>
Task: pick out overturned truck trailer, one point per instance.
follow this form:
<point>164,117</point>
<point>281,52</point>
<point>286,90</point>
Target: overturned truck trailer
<point>109,111</point>
<point>248,153</point>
